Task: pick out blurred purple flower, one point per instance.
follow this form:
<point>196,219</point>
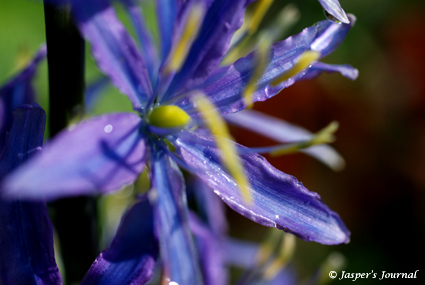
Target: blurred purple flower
<point>106,152</point>
<point>26,232</point>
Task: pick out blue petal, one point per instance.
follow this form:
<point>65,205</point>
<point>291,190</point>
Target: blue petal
<point>167,13</point>
<point>25,137</point>
<point>223,18</point>
<point>132,254</point>
<point>282,131</point>
<point>98,155</point>
<point>26,233</point>
<point>225,86</point>
<point>177,248</point>
<point>279,200</point>
<point>16,92</point>
<point>113,49</point>
<point>94,92</point>
<point>26,244</point>
<point>211,208</point>
<point>316,69</point>
<point>211,252</point>
<point>144,37</point>
<point>334,8</point>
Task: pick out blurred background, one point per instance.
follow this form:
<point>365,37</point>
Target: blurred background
<point>380,194</point>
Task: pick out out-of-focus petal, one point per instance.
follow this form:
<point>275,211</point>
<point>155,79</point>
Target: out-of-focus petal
<point>25,137</point>
<point>132,254</point>
<point>144,37</point>
<point>211,252</point>
<point>282,131</point>
<point>167,11</point>
<point>16,92</point>
<point>113,49</point>
<point>98,155</point>
<point>279,200</point>
<point>223,18</point>
<point>94,92</point>
<point>334,8</point>
<point>316,69</point>
<point>177,247</point>
<point>26,233</point>
<point>211,208</point>
<point>225,86</point>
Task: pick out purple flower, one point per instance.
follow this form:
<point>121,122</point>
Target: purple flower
<point>106,152</point>
<point>26,232</point>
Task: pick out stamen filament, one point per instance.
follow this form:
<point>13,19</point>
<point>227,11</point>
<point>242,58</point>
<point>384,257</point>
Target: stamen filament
<point>218,127</point>
<point>326,135</point>
<point>286,251</point>
<point>190,31</point>
<point>261,61</point>
<point>306,59</point>
<point>268,246</point>
<point>259,12</point>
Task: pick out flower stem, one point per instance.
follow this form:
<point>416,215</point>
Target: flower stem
<point>75,219</point>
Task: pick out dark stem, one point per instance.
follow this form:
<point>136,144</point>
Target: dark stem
<point>75,219</point>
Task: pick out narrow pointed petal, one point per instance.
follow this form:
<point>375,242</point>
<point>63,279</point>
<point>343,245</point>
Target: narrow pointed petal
<point>225,86</point>
<point>132,254</point>
<point>211,252</point>
<point>113,49</point>
<point>167,13</point>
<point>144,37</point>
<point>211,208</point>
<point>334,8</point>
<point>346,70</point>
<point>282,131</point>
<point>94,91</point>
<point>279,200</point>
<point>16,92</point>
<point>26,233</point>
<point>96,156</point>
<point>177,247</point>
<point>223,18</point>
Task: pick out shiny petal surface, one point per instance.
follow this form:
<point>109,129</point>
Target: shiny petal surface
<point>99,155</point>
<point>113,49</point>
<point>334,8</point>
<point>316,69</point>
<point>279,200</point>
<point>177,247</point>
<point>26,233</point>
<point>223,18</point>
<point>225,86</point>
<point>16,92</point>
<point>282,131</point>
<point>211,252</point>
<point>132,254</point>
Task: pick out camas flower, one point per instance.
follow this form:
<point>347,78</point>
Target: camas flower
<point>174,124</point>
<point>26,233</point>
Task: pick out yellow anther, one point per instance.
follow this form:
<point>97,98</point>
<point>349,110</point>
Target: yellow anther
<point>168,117</point>
<point>190,30</point>
<point>268,246</point>
<point>326,135</point>
<point>306,59</point>
<point>218,127</point>
<point>258,15</point>
<point>260,61</point>
<point>286,251</point>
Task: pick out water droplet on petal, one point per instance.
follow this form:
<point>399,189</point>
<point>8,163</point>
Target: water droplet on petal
<point>173,283</point>
<point>108,129</point>
<point>331,18</point>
